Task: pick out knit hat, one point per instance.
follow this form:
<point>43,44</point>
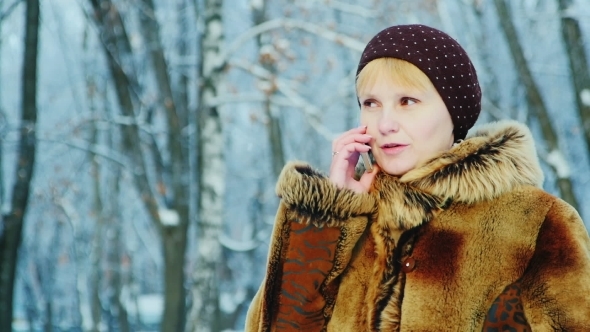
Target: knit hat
<point>442,59</point>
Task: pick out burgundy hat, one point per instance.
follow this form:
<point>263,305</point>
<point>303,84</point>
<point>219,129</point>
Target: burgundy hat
<point>442,59</point>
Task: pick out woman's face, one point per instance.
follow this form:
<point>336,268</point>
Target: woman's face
<point>408,125</point>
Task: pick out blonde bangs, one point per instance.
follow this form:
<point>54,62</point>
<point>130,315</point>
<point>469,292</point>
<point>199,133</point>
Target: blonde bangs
<point>397,70</point>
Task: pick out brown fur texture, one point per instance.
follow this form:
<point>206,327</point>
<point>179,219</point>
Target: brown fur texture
<point>473,222</point>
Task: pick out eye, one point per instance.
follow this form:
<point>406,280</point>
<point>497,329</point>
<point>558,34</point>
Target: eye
<point>407,101</point>
<point>369,103</point>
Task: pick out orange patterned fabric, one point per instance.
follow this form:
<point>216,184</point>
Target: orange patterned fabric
<point>507,313</point>
<point>304,296</point>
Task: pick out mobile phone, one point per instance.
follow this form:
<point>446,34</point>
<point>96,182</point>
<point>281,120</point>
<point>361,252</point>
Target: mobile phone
<point>367,162</point>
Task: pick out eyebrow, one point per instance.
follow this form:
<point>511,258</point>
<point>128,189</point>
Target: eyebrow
<point>367,96</point>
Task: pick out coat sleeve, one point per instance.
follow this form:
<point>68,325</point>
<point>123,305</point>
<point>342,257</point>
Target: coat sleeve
<point>556,285</point>
<point>316,228</point>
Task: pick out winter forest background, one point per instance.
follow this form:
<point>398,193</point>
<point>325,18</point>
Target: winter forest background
<point>148,135</point>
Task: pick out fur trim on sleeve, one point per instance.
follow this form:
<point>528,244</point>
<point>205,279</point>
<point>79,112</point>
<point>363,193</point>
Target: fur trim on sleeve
<point>317,200</point>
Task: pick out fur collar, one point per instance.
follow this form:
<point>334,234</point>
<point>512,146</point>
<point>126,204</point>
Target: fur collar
<point>495,159</point>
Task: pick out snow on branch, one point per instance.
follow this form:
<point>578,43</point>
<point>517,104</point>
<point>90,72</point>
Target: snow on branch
<point>585,97</point>
<point>343,7</point>
<point>169,217</point>
<point>286,23</point>
<point>493,110</point>
<point>69,211</point>
<point>99,150</point>
<point>228,98</point>
<point>238,246</point>
<point>311,112</point>
<point>557,160</point>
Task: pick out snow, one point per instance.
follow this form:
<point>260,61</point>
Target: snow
<point>85,309</point>
<point>228,302</point>
<point>149,307</point>
<point>283,44</point>
<point>264,86</point>
<point>212,59</point>
<point>209,246</point>
<point>20,325</point>
<point>169,217</point>
<point>5,209</point>
<point>238,246</point>
<point>585,97</point>
<point>556,159</point>
<point>256,4</point>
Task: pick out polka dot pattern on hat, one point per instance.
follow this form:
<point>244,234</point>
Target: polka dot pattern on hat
<point>442,59</point>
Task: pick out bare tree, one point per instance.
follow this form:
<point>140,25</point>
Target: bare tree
<point>97,236</point>
<point>115,253</point>
<point>579,69</point>
<point>97,240</point>
<point>555,158</point>
<point>12,221</point>
<point>267,59</point>
<point>166,200</point>
<point>176,190</point>
<point>204,314</point>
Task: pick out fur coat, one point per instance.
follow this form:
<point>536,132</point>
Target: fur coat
<point>467,242</point>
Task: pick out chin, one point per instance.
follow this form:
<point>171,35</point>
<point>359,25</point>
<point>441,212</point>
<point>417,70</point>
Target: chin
<point>396,170</point>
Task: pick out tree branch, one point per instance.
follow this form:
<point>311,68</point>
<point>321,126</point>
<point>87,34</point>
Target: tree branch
<point>10,9</point>
<point>310,111</point>
<point>536,102</point>
<point>357,10</point>
<point>286,23</point>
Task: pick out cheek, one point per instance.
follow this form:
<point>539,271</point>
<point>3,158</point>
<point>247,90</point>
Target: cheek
<point>372,129</point>
<point>363,118</point>
<point>369,120</point>
<point>437,130</point>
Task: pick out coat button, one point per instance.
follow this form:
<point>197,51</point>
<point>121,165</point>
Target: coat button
<point>408,265</point>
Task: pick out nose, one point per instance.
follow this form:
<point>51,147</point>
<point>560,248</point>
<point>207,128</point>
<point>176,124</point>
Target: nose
<point>388,123</point>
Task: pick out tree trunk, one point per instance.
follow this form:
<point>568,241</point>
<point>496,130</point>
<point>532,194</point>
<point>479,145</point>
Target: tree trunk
<point>273,126</point>
<point>211,174</point>
<point>115,260</point>
<point>555,158</point>
<point>579,72</point>
<point>48,323</point>
<point>2,120</point>
<point>47,272</point>
<point>117,49</point>
<point>11,232</point>
<point>174,236</point>
<point>96,253</point>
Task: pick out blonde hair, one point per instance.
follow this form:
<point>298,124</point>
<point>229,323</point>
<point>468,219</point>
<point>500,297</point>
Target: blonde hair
<point>400,71</point>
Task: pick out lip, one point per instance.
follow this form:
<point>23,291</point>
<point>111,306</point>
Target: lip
<point>393,148</point>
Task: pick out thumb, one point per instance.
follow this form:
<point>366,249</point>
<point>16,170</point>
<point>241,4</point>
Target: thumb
<point>367,178</point>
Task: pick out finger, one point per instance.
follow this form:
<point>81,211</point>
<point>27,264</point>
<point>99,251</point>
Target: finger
<point>353,131</point>
<point>340,143</point>
<point>351,150</point>
<point>345,160</point>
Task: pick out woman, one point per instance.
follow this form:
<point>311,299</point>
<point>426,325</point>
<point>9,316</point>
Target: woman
<point>446,233</point>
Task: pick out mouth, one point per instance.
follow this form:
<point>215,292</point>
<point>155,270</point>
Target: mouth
<point>393,148</point>
<point>391,145</point>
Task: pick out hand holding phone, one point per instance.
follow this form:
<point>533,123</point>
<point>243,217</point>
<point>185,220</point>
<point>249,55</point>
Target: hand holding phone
<point>347,149</point>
